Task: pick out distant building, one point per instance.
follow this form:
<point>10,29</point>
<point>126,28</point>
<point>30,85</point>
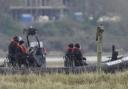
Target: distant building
<point>54,9</point>
<point>4,5</point>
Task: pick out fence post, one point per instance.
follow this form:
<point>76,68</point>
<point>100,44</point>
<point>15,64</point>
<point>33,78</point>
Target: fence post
<point>99,38</point>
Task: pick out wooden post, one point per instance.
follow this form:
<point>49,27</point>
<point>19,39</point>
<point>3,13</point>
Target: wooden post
<point>99,38</point>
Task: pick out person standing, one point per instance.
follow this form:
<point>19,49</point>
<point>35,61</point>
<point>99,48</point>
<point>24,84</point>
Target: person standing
<point>114,53</point>
<point>78,56</point>
<point>69,62</point>
<point>12,50</point>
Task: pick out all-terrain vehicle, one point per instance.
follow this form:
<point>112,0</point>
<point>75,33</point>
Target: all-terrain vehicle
<point>36,55</point>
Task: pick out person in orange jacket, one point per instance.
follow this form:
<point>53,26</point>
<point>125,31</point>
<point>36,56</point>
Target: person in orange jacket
<point>78,56</point>
<point>12,50</point>
<point>69,62</point>
<point>22,54</point>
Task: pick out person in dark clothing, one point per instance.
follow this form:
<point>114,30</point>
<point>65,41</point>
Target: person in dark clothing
<point>79,59</point>
<point>69,62</point>
<point>12,50</point>
<point>114,53</point>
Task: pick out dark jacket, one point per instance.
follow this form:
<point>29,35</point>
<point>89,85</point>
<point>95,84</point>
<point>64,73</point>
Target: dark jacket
<point>77,54</point>
<point>12,48</point>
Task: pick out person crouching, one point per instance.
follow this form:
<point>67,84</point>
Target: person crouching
<point>22,54</point>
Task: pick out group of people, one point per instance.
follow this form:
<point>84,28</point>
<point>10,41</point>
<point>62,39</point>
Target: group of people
<point>73,56</point>
<point>17,52</point>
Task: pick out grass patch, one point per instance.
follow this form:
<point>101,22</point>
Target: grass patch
<point>55,64</point>
<point>62,81</point>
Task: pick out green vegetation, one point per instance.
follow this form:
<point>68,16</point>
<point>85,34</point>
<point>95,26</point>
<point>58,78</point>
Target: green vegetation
<point>62,81</point>
<point>8,26</point>
<point>55,64</point>
<point>58,34</point>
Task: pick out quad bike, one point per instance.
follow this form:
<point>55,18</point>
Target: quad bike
<point>37,55</point>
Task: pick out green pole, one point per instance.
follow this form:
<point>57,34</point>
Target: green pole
<point>99,38</point>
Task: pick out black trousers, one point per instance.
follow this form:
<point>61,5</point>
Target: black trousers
<point>22,60</point>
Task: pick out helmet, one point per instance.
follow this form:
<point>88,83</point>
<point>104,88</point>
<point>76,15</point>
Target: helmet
<point>16,38</point>
<point>20,38</point>
<point>77,45</point>
<point>70,45</point>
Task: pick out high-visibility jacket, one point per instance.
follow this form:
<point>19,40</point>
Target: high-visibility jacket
<point>12,48</point>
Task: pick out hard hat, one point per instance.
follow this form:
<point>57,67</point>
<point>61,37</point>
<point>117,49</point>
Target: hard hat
<point>20,38</point>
